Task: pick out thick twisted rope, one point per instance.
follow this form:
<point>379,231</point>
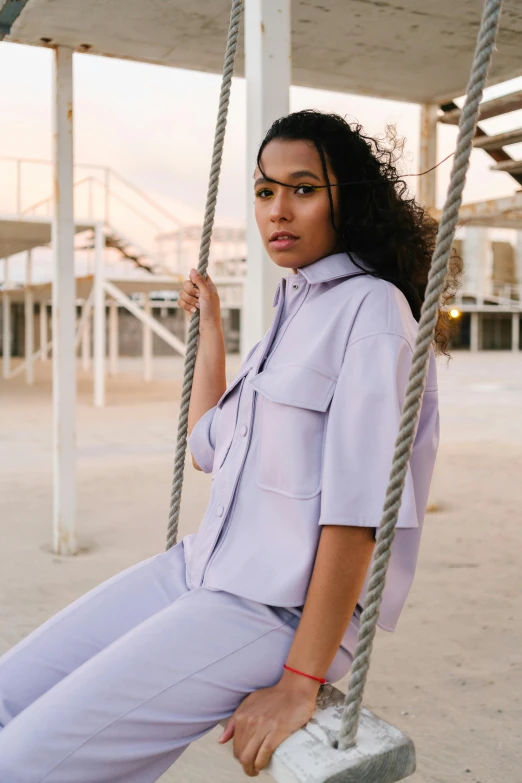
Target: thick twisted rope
<point>415,388</point>
<point>208,224</point>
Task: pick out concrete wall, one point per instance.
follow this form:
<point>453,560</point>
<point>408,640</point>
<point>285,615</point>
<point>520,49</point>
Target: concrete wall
<point>504,263</point>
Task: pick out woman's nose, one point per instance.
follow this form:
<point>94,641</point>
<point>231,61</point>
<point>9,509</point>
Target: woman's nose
<point>280,208</point>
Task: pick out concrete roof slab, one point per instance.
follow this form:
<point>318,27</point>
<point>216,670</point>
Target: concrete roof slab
<point>20,234</point>
<point>412,50</point>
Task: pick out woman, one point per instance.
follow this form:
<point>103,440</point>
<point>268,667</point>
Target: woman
<point>247,617</point>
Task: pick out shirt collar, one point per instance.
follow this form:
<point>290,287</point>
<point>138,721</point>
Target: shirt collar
<point>330,268</point>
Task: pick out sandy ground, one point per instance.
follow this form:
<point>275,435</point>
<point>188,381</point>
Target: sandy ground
<point>451,674</point>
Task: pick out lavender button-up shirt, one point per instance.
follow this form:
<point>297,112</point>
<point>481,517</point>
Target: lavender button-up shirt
<point>304,437</point>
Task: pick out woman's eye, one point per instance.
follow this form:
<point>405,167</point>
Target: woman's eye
<point>263,193</point>
<point>303,190</point>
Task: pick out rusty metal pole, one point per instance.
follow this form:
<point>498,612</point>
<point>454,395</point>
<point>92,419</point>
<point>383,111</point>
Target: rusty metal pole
<point>268,73</point>
<point>29,320</point>
<point>64,311</point>
<point>427,194</point>
<point>99,342</point>
<point>44,342</point>
<point>6,324</point>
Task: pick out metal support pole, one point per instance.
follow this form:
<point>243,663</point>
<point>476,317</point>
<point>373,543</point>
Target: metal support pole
<point>427,195</point>
<point>6,324</point>
<point>515,332</point>
<point>44,341</point>
<point>268,77</point>
<point>475,332</point>
<point>29,320</point>
<point>99,318</point>
<point>86,339</point>
<point>113,338</point>
<point>141,315</point>
<point>147,341</point>
<point>64,315</point>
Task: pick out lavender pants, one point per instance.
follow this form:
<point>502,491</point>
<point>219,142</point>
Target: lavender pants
<point>115,686</point>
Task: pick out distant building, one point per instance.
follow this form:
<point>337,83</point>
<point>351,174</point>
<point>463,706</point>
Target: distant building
<point>486,311</point>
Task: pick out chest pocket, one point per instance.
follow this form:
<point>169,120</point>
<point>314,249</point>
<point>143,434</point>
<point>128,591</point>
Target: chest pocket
<point>292,410</point>
<point>228,406</point>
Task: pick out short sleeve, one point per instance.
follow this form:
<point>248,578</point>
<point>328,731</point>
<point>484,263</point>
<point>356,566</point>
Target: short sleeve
<point>202,439</point>
<point>361,431</point>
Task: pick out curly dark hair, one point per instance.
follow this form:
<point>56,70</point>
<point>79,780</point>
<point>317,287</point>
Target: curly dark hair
<point>378,221</point>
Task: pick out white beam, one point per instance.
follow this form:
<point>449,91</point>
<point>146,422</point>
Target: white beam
<point>475,332</point>
<point>85,335</point>
<point>99,318</point>
<point>427,194</point>
<point>20,368</point>
<point>515,332</point>
<point>138,313</point>
<point>147,340</point>
<point>64,360</point>
<point>113,338</point>
<point>84,320</point>
<point>29,320</point>
<point>44,340</point>
<point>6,324</point>
<point>268,77</point>
<point>6,335</point>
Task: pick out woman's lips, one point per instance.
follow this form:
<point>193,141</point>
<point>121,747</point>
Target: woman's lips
<point>281,243</point>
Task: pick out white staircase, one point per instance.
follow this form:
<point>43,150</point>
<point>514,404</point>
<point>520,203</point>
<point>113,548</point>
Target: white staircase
<point>494,145</point>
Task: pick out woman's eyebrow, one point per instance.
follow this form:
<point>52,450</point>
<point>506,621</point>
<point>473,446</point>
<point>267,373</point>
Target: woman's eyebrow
<point>305,173</point>
<point>294,175</point>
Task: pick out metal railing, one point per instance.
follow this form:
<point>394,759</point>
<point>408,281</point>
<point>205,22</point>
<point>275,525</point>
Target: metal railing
<point>503,295</point>
<point>102,195</point>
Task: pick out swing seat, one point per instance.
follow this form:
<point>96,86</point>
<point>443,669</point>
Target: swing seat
<point>383,754</point>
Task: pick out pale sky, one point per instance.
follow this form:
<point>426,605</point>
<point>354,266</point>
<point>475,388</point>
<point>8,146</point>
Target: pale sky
<point>155,126</point>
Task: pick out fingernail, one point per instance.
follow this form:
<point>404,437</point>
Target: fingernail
<point>197,304</point>
<point>193,271</point>
<point>192,309</point>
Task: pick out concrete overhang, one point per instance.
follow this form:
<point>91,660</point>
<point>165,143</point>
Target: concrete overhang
<point>18,234</point>
<point>42,292</point>
<point>503,212</point>
<point>410,50</point>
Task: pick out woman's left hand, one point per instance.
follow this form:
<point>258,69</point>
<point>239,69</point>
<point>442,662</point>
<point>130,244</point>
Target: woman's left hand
<point>268,716</point>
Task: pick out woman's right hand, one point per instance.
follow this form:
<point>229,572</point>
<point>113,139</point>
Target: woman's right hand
<point>201,293</point>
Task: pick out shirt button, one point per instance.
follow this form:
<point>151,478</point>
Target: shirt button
<point>220,511</point>
<point>295,286</point>
<point>243,430</point>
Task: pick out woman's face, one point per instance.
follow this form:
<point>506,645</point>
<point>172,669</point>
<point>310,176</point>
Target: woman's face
<point>294,222</point>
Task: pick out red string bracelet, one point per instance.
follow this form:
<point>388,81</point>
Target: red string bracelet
<point>311,676</point>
